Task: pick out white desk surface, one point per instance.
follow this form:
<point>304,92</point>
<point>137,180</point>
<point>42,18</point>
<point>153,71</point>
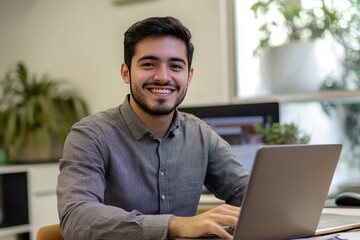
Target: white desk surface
<point>335,236</point>
<point>209,199</point>
<point>343,210</point>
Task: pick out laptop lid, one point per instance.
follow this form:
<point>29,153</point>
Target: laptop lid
<point>287,190</point>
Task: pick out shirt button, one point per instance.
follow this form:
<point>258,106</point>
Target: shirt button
<point>162,197</point>
<point>162,173</point>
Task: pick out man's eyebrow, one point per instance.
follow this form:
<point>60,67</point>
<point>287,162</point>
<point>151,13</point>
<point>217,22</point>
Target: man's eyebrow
<point>178,60</point>
<point>150,57</point>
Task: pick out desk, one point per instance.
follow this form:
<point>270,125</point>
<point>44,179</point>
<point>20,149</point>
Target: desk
<point>208,201</point>
<point>331,207</point>
<point>353,211</point>
<point>343,210</point>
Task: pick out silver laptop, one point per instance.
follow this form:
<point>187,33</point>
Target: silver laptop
<point>287,191</point>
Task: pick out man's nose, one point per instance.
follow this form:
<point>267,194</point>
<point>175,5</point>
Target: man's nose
<point>162,74</point>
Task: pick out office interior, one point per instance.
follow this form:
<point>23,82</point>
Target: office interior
<point>81,42</point>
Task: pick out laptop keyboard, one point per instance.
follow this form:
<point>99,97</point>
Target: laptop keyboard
<point>334,220</point>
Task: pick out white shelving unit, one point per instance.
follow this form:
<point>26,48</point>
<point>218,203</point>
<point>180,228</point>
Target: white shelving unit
<point>334,95</point>
<point>9,231</point>
<point>41,198</point>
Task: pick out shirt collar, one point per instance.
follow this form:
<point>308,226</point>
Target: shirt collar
<point>175,122</point>
<point>135,125</point>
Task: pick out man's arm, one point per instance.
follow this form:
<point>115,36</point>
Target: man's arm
<point>211,221</point>
<point>83,211</point>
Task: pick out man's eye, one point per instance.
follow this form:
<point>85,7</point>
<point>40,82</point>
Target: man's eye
<point>176,67</point>
<point>148,65</point>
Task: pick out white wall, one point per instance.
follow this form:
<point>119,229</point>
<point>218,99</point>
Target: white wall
<point>81,41</point>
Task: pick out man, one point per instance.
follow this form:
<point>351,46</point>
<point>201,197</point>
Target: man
<point>136,171</point>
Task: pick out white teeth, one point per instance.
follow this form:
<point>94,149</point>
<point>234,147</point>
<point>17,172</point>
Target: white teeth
<point>161,91</point>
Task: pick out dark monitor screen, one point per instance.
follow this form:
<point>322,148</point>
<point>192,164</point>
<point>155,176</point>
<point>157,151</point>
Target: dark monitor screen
<point>235,124</point>
<point>270,109</point>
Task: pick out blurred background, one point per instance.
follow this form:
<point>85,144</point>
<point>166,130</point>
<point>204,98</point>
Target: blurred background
<point>303,55</point>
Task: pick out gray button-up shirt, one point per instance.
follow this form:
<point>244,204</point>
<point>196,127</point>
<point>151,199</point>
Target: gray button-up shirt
<point>117,181</point>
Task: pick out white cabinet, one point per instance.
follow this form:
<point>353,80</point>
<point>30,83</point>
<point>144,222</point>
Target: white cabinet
<point>42,181</point>
<point>32,188</point>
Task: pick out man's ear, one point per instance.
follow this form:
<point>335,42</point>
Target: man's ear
<point>125,73</point>
<point>190,75</point>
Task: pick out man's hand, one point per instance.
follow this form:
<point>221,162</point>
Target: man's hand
<point>211,221</point>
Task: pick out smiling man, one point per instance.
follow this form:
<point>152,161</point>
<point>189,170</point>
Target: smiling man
<point>136,171</point>
<point>159,78</point>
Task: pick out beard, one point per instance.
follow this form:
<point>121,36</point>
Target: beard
<point>161,108</point>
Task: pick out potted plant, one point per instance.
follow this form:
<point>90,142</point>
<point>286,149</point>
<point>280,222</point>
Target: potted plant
<point>290,64</point>
<point>348,78</point>
<point>348,36</point>
<point>287,133</point>
<point>37,115</point>
<point>294,21</point>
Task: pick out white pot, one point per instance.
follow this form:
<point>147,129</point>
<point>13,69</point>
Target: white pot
<point>290,68</point>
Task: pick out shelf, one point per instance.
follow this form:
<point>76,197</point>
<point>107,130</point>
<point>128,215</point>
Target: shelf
<point>28,193</point>
<point>16,168</point>
<point>6,231</point>
<point>12,168</point>
<point>334,95</point>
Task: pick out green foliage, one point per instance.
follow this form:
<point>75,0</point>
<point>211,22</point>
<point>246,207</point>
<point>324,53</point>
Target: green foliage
<point>277,133</point>
<point>303,24</point>
<point>298,23</point>
<point>349,38</point>
<point>349,78</point>
<point>33,109</point>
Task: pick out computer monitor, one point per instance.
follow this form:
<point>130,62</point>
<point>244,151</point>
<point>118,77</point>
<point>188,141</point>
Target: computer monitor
<point>235,123</point>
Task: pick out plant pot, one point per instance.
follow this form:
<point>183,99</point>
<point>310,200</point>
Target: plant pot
<point>290,68</point>
<point>40,149</point>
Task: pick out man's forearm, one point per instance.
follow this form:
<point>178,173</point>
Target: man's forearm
<point>105,222</point>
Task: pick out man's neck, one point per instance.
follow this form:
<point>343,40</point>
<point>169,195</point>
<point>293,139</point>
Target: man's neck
<point>158,125</point>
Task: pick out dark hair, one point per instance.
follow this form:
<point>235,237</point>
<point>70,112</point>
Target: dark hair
<point>156,26</point>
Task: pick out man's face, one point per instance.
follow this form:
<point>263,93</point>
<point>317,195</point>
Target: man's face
<point>159,75</point>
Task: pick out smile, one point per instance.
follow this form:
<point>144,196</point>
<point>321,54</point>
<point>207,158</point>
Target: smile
<point>160,91</point>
